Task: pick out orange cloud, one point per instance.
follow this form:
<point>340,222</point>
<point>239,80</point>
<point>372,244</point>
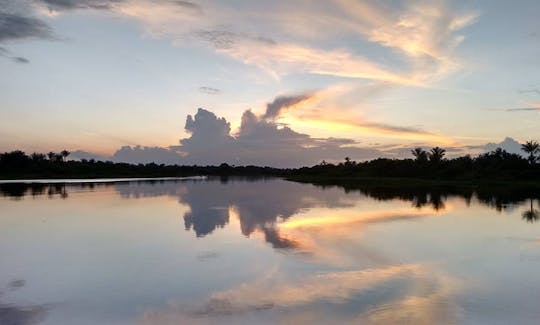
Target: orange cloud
<point>318,111</point>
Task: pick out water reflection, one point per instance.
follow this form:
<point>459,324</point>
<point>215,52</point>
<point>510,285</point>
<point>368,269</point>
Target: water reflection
<point>328,254</point>
<point>260,206</point>
<point>19,190</point>
<point>532,214</point>
<point>18,314</point>
<point>264,208</point>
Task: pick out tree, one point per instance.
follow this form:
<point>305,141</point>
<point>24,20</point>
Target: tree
<point>531,148</point>
<point>37,157</point>
<point>16,159</point>
<point>64,154</point>
<point>51,155</point>
<point>436,154</point>
<point>420,154</point>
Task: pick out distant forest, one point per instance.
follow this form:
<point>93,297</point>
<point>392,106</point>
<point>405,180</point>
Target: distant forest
<point>423,165</point>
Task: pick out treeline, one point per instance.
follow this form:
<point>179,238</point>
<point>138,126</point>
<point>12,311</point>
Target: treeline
<point>431,165</point>
<point>17,164</point>
<point>495,165</point>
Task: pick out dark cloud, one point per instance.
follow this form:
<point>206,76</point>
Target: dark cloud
<point>20,59</point>
<point>220,39</point>
<point>225,39</point>
<point>516,109</point>
<point>79,4</point>
<point>189,5</point>
<point>15,27</point>
<point>522,109</point>
<point>395,128</point>
<point>22,315</point>
<point>209,90</point>
<point>526,91</point>
<point>5,53</point>
<point>274,108</point>
<point>265,40</point>
<point>16,284</point>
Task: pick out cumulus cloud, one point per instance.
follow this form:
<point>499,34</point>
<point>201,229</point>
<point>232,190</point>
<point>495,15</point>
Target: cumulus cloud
<point>258,142</point>
<point>140,154</point>
<point>508,144</point>
<point>81,154</point>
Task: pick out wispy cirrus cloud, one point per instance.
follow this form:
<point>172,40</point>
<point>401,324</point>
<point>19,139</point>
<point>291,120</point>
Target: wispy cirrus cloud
<point>277,41</point>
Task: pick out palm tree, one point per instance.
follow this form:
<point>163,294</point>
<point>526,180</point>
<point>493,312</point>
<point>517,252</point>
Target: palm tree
<point>531,148</point>
<point>64,154</point>
<point>531,215</point>
<point>51,155</point>
<point>436,154</point>
<point>420,154</point>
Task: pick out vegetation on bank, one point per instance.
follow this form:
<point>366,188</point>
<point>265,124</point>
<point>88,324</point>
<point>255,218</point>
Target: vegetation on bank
<point>497,165</point>
<point>19,165</point>
<point>424,166</point>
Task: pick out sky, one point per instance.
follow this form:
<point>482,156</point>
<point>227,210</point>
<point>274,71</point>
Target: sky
<point>280,83</point>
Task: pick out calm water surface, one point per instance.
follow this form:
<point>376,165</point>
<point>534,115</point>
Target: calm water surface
<point>264,252</point>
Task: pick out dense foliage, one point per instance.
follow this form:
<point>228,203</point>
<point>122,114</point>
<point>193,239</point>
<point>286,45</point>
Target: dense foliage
<point>497,165</point>
<point>17,164</point>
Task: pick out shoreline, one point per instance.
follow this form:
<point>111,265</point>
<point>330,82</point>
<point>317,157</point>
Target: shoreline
<point>95,180</point>
<point>412,182</point>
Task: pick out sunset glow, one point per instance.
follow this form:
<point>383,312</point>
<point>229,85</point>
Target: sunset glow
<point>96,76</point>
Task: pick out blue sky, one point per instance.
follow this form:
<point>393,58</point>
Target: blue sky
<point>96,75</point>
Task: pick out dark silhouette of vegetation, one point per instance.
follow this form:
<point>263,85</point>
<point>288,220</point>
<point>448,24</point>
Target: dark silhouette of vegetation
<point>531,148</point>
<point>17,164</point>
<point>436,155</point>
<point>420,154</point>
<point>498,165</point>
<point>432,165</point>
